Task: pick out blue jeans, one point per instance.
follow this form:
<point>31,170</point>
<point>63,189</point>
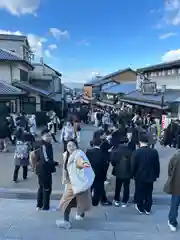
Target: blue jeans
<point>173,214</point>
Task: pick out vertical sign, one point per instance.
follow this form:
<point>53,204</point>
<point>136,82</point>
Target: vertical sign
<point>163,121</point>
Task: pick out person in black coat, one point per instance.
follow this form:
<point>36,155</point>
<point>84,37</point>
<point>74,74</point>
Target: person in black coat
<point>44,169</point>
<point>121,161</point>
<point>100,143</point>
<point>95,157</point>
<point>145,171</point>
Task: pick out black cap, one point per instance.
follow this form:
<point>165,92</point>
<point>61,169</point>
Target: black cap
<point>144,138</point>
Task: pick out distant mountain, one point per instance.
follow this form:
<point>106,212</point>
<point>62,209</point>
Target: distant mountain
<point>73,85</point>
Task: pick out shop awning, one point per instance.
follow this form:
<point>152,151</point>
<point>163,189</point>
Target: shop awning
<point>170,96</point>
<point>124,88</point>
<point>151,105</point>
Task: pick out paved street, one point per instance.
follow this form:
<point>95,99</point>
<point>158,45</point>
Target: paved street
<point>6,168</point>
<point>20,221</point>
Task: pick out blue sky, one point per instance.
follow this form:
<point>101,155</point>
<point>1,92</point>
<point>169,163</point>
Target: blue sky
<point>81,38</point>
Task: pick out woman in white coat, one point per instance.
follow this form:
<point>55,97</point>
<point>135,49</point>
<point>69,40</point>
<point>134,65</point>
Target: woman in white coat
<point>78,177</point>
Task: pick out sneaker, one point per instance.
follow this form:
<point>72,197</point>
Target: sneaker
<point>107,203</point>
<point>79,217</point>
<point>139,210</point>
<point>63,224</point>
<point>38,209</point>
<point>124,205</point>
<point>5,150</point>
<point>116,203</point>
<point>147,212</point>
<point>173,229</point>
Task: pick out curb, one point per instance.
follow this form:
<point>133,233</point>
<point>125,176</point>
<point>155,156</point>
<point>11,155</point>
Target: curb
<point>24,194</point>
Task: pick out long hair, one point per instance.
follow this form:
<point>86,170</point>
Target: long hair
<point>68,154</point>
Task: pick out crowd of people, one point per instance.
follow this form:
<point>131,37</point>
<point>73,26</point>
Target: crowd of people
<point>125,143</point>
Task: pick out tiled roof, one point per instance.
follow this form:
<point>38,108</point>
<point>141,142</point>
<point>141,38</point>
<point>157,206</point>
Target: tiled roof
<point>30,88</point>
<point>107,78</point>
<point>13,37</point>
<point>6,55</point>
<point>160,66</point>
<point>121,88</point>
<point>7,89</point>
<point>170,96</point>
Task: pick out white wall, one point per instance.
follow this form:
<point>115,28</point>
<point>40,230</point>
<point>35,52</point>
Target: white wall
<point>5,72</point>
<point>11,71</point>
<point>16,71</point>
<point>46,73</point>
<point>171,82</point>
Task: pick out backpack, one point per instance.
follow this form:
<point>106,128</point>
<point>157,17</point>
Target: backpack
<point>22,150</point>
<point>34,158</point>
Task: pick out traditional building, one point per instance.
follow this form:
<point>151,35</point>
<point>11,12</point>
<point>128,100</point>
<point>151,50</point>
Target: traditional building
<point>40,84</point>
<point>158,87</point>
<point>97,88</point>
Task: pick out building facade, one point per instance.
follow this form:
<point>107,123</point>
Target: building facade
<point>158,88</point>
<point>40,83</point>
<point>95,87</point>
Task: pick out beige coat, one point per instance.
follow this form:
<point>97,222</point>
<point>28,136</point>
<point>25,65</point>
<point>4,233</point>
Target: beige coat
<point>172,186</point>
<point>82,201</point>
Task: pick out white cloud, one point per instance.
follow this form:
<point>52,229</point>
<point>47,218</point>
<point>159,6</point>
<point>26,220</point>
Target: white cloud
<point>20,7</point>
<point>58,34</point>
<point>52,46</point>
<point>84,42</point>
<point>171,13</point>
<point>80,76</point>
<point>36,42</point>
<point>47,53</point>
<point>171,55</point>
<point>167,35</point>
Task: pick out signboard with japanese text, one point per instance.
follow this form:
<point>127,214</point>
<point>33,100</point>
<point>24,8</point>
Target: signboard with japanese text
<point>148,87</point>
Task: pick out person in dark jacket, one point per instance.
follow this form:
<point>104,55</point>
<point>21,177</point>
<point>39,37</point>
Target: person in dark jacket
<point>121,161</point>
<point>100,142</point>
<point>44,169</point>
<point>95,157</point>
<point>145,170</point>
<point>172,187</point>
<point>4,134</point>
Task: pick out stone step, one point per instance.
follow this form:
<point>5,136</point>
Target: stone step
<point>16,193</point>
<point>19,220</point>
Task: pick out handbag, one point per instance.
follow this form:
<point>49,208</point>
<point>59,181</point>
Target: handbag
<point>81,179</point>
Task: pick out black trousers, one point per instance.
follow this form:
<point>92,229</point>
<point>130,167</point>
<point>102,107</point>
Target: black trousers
<point>54,137</point>
<point>144,192</point>
<point>44,191</point>
<point>16,172</point>
<point>119,183</point>
<point>72,204</point>
<point>99,194</point>
<point>65,145</point>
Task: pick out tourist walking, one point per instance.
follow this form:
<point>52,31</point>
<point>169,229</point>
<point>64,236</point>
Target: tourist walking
<point>172,187</point>
<point>21,155</point>
<point>67,134</point>
<point>145,170</point>
<point>121,161</point>
<point>153,131</point>
<point>32,125</point>
<point>78,183</point>
<point>96,158</point>
<point>44,168</point>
